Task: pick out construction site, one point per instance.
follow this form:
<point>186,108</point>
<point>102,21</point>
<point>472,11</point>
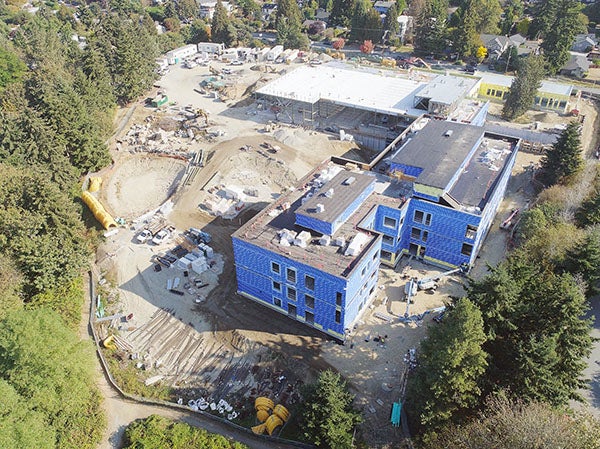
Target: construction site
<point>188,173</point>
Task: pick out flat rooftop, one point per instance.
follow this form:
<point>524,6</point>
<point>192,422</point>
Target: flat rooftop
<point>342,196</point>
<point>478,179</point>
<point>380,92</point>
<point>447,89</point>
<point>548,87</point>
<point>264,229</point>
<point>441,155</point>
<point>439,149</point>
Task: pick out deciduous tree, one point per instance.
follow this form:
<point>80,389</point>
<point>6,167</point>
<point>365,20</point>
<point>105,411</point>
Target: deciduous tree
<point>514,424</point>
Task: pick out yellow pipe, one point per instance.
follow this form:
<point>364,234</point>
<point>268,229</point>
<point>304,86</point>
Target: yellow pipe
<point>98,210</point>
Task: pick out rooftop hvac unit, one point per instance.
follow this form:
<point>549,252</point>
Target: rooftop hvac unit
<point>320,208</point>
<point>339,241</point>
<point>349,181</point>
<point>329,193</point>
<point>302,239</point>
<point>325,240</point>
<point>355,246</point>
<point>448,133</point>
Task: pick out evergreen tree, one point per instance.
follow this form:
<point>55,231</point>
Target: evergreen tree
<point>466,38</point>
<point>327,414</point>
<point>537,337</point>
<point>288,23</point>
<point>391,24</point>
<point>452,362</point>
<point>524,87</point>
<point>513,11</point>
<point>366,22</point>
<point>563,161</point>
<point>589,212</point>
<point>430,26</point>
<point>220,29</point>
<point>487,16</point>
<point>544,16</point>
<point>584,260</point>
<point>558,38</point>
<point>341,13</point>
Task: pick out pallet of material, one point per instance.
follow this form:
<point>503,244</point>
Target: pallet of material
<point>384,317</point>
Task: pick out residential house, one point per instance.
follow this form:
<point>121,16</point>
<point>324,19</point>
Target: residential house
<point>577,66</point>
<point>207,8</point>
<point>584,43</point>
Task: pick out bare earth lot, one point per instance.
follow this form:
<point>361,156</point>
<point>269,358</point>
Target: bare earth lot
<point>209,342</point>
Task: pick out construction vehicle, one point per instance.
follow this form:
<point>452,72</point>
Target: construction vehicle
<point>430,283</point>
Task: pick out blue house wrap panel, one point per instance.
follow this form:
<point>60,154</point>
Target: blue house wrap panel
<point>362,284</point>
<point>313,222</point>
<point>408,170</point>
<point>255,279</point>
<point>446,232</point>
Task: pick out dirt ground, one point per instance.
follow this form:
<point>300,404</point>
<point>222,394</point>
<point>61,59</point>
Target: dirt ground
<point>209,341</point>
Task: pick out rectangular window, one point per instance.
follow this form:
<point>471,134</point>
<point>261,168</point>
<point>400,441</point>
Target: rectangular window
<point>338,316</point>
<point>386,255</point>
<point>309,281</point>
<point>488,92</point>
<point>291,310</point>
<point>309,317</point>
<point>364,271</point>
<point>375,256</point>
<point>471,232</point>
<point>466,249</point>
<point>388,240</point>
<point>338,299</point>
<point>419,216</point>
<point>427,219</point>
<point>309,301</point>
<point>499,93</point>
<point>277,286</point>
<point>415,233</point>
<point>389,222</point>
<point>372,290</point>
<point>425,236</point>
<point>277,302</point>
<point>291,293</point>
<point>275,268</point>
<point>291,275</point>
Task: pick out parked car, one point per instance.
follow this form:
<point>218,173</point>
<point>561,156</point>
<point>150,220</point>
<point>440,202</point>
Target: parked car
<point>160,237</point>
<point>226,71</point>
<point>144,236</point>
<point>237,62</point>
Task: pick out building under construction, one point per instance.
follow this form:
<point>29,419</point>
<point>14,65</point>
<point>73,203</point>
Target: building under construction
<point>315,253</point>
<point>373,106</point>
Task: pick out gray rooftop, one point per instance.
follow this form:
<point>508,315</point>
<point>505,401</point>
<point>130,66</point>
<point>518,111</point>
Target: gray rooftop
<point>478,179</point>
<point>446,89</point>
<point>343,196</point>
<point>263,230</point>
<point>438,154</point>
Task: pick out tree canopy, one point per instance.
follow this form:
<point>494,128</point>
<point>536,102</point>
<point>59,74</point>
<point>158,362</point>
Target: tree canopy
<point>156,432</point>
<point>45,367</point>
<point>524,87</point>
<point>328,418</point>
<point>451,365</point>
<point>564,160</point>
